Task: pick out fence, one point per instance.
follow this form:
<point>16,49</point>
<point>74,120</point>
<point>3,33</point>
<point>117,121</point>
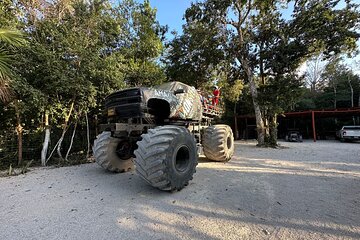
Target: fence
<point>33,141</point>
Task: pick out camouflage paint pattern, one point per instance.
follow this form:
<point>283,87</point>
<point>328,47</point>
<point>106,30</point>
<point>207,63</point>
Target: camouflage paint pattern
<point>185,105</point>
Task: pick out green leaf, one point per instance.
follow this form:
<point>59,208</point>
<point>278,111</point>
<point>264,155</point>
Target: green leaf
<point>12,37</point>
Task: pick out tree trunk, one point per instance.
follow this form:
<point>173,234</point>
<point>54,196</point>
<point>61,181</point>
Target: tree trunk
<point>88,136</point>
<point>96,125</point>
<point>265,118</point>
<point>273,131</point>
<point>261,65</point>
<point>352,98</point>
<point>253,87</point>
<point>258,115</point>
<point>71,142</point>
<point>259,122</point>
<point>65,127</point>
<point>352,92</point>
<point>236,123</point>
<point>359,96</point>
<point>46,140</point>
<point>334,97</point>
<point>19,132</point>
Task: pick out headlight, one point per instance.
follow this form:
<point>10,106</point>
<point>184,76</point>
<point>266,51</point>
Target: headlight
<point>111,112</point>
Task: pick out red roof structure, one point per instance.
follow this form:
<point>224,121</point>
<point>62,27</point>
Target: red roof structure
<point>314,114</point>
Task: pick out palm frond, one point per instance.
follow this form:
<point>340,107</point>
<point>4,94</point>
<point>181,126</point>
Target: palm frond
<point>5,91</point>
<point>5,76</point>
<point>12,37</point>
<point>5,60</point>
<point>16,39</point>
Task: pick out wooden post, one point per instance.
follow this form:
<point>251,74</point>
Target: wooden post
<point>313,125</point>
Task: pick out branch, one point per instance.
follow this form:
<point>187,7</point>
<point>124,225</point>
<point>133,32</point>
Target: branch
<point>238,7</point>
<point>229,22</point>
<point>246,14</point>
<point>233,23</point>
<point>52,152</point>
<point>71,142</point>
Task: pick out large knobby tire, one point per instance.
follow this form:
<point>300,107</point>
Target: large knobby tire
<point>166,157</point>
<point>104,150</point>
<point>218,143</point>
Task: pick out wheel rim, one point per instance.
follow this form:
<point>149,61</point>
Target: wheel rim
<point>228,142</point>
<point>124,150</point>
<point>182,158</point>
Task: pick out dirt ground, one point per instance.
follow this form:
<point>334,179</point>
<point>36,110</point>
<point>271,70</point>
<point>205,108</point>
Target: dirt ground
<point>305,191</point>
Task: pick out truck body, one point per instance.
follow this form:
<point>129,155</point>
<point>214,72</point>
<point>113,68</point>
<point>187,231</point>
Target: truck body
<point>172,100</point>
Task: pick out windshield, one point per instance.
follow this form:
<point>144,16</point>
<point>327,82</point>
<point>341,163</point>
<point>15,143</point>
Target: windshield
<point>173,86</point>
<point>165,86</point>
<point>351,128</point>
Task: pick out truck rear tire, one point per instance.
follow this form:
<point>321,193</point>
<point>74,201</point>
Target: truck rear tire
<point>105,154</point>
<point>166,157</point>
<point>218,143</point>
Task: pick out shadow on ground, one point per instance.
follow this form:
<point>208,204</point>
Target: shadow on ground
<point>254,197</point>
<point>304,191</point>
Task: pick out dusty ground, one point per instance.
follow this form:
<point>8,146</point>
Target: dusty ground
<point>307,191</point>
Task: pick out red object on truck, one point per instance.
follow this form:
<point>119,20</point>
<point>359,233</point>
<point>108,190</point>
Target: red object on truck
<point>215,100</point>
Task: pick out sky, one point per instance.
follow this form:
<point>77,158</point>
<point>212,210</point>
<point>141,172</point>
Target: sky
<point>171,13</point>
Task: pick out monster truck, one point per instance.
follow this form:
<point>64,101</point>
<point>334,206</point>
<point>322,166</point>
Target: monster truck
<point>161,131</point>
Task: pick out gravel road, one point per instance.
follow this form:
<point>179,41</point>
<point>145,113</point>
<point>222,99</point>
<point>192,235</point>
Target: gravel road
<point>303,191</point>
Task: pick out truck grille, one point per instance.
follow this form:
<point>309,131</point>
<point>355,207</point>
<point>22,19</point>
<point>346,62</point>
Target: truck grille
<point>129,96</point>
<point>125,104</point>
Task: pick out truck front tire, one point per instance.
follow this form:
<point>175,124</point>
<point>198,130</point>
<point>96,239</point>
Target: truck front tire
<point>105,154</point>
<point>166,157</point>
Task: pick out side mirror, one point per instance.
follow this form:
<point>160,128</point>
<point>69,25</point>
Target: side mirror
<point>179,91</point>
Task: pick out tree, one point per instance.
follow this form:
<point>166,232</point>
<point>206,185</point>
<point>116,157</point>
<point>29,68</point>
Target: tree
<point>341,82</point>
<point>79,52</point>
<point>72,61</point>
<point>13,38</point>
<point>194,56</point>
<point>314,69</point>
<point>265,48</point>
<point>146,37</point>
